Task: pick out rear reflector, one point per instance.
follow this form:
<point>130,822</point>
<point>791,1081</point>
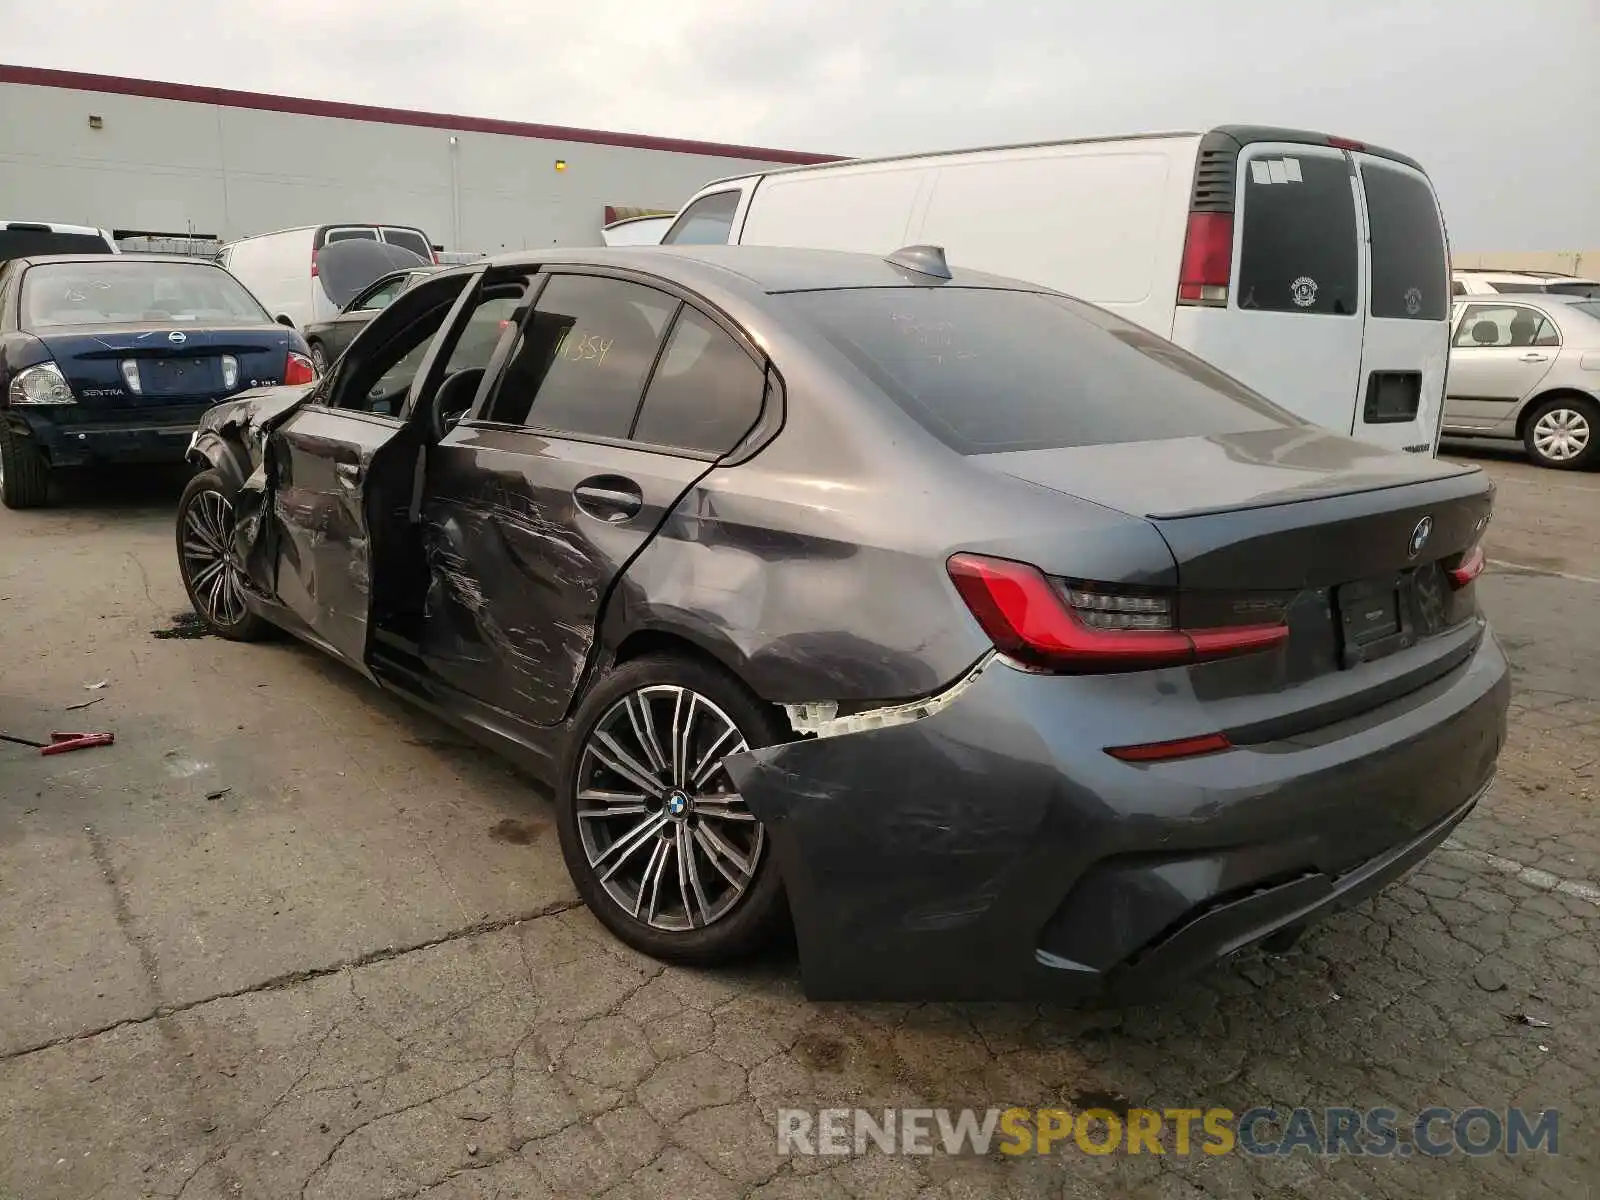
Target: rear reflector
<point>1082,628</point>
<point>1470,567</point>
<point>298,369</point>
<point>1207,265</point>
<point>1209,743</point>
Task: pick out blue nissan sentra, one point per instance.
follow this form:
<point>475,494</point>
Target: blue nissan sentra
<point>111,358</point>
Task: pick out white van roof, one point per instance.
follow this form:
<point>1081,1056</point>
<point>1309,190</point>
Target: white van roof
<point>1240,134</point>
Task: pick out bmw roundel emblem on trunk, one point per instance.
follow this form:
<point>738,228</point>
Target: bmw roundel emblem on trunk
<point>178,336</point>
<point>1419,535</point>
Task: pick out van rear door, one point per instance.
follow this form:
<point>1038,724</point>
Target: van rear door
<point>1293,319</point>
<point>1407,337</point>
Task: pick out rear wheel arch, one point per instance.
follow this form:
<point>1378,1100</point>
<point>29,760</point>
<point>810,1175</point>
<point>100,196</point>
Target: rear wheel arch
<point>1559,393</point>
<point>660,640</point>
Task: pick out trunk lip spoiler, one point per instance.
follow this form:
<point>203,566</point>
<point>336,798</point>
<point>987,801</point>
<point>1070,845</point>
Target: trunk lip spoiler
<point>1332,494</point>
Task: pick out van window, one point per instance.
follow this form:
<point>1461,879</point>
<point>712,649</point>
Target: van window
<point>19,241</point>
<point>352,233</point>
<point>409,239</point>
<point>1408,259</point>
<point>986,370</point>
<point>1299,249</point>
<point>706,222</point>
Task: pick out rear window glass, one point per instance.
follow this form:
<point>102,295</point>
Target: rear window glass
<point>1588,308</point>
<point>706,222</point>
<point>133,291</point>
<point>411,240</point>
<point>23,243</point>
<point>987,371</point>
<point>1573,288</point>
<point>1299,250</point>
<point>1408,257</point>
<point>1511,288</point>
<point>353,234</point>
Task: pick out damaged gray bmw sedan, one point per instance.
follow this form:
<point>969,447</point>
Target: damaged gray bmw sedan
<point>1002,647</point>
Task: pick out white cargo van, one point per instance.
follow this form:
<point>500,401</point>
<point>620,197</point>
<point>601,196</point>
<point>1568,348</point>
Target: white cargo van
<point>1311,267</point>
<point>281,268</point>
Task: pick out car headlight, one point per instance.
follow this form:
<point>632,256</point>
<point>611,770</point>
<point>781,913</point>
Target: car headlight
<point>43,384</point>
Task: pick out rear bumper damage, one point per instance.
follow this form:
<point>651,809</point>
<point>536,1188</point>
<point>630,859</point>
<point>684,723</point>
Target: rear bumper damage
<point>80,443</point>
<point>989,849</point>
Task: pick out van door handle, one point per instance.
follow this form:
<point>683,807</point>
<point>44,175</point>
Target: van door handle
<point>609,498</point>
<point>1535,358</point>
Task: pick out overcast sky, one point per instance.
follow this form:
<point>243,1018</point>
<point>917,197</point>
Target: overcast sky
<point>1500,101</point>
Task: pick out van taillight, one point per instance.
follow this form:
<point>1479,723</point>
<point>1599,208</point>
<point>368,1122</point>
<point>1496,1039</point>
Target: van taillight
<point>313,262</point>
<point>1340,143</point>
<point>1207,259</point>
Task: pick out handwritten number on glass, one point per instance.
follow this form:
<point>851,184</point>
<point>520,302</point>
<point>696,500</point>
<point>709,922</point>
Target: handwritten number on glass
<point>576,346</point>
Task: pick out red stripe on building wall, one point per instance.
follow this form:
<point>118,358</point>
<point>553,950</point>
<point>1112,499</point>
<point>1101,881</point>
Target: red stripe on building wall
<point>227,98</point>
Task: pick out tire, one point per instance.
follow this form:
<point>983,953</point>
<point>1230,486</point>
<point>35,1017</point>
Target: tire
<point>211,574</point>
<point>24,473</point>
<point>727,924</point>
<point>1563,432</point>
<point>319,359</point>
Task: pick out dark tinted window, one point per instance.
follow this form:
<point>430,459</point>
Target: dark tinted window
<point>134,289</point>
<point>356,233</point>
<point>1299,246</point>
<point>1408,258</point>
<point>379,296</point>
<point>581,360</point>
<point>22,243</point>
<point>1507,287</point>
<point>411,240</point>
<point>987,371</point>
<point>1570,288</point>
<point>1457,288</point>
<point>706,392</point>
<point>706,222</point>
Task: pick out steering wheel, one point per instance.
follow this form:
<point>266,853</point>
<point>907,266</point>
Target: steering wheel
<point>452,398</point>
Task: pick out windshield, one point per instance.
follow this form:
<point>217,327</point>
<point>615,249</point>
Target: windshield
<point>130,290</point>
<point>987,371</point>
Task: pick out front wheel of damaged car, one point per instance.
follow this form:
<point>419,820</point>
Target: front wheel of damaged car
<point>661,846</point>
<point>212,573</point>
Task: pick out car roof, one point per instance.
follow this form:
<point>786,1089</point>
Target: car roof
<point>1489,275</point>
<point>39,260</point>
<point>51,226</point>
<point>768,269</point>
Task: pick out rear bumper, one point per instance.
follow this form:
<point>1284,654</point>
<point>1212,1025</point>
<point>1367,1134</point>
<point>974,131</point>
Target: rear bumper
<point>80,442</point>
<point>993,850</point>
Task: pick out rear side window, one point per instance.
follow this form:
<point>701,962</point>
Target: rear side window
<point>1457,288</point>
<point>1408,257</point>
<point>986,371</point>
<point>706,222</point>
<point>1491,326</point>
<point>22,242</point>
<point>409,239</point>
<point>706,392</point>
<point>580,363</point>
<point>1299,250</point>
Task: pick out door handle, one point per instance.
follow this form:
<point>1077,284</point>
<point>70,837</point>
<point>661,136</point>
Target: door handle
<point>1535,358</point>
<point>609,498</point>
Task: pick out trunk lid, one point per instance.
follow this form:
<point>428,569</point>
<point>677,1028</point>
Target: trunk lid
<point>176,367</point>
<point>1348,543</point>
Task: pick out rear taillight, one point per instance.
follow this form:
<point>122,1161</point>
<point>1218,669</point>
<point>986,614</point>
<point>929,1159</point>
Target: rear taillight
<point>1468,569</point>
<point>313,262</point>
<point>1207,265</point>
<point>1340,143</point>
<point>1088,628</point>
<point>298,369</point>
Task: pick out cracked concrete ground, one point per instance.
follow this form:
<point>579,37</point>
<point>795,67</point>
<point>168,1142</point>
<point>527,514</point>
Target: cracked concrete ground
<point>287,939</point>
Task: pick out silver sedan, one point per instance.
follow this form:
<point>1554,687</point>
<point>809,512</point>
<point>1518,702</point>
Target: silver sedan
<point>1528,367</point>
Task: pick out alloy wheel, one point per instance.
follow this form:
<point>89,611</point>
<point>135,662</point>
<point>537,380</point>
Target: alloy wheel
<point>662,826</point>
<point>1562,434</point>
<point>209,562</point>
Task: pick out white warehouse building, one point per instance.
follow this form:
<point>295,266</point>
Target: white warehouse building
<point>165,160</point>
